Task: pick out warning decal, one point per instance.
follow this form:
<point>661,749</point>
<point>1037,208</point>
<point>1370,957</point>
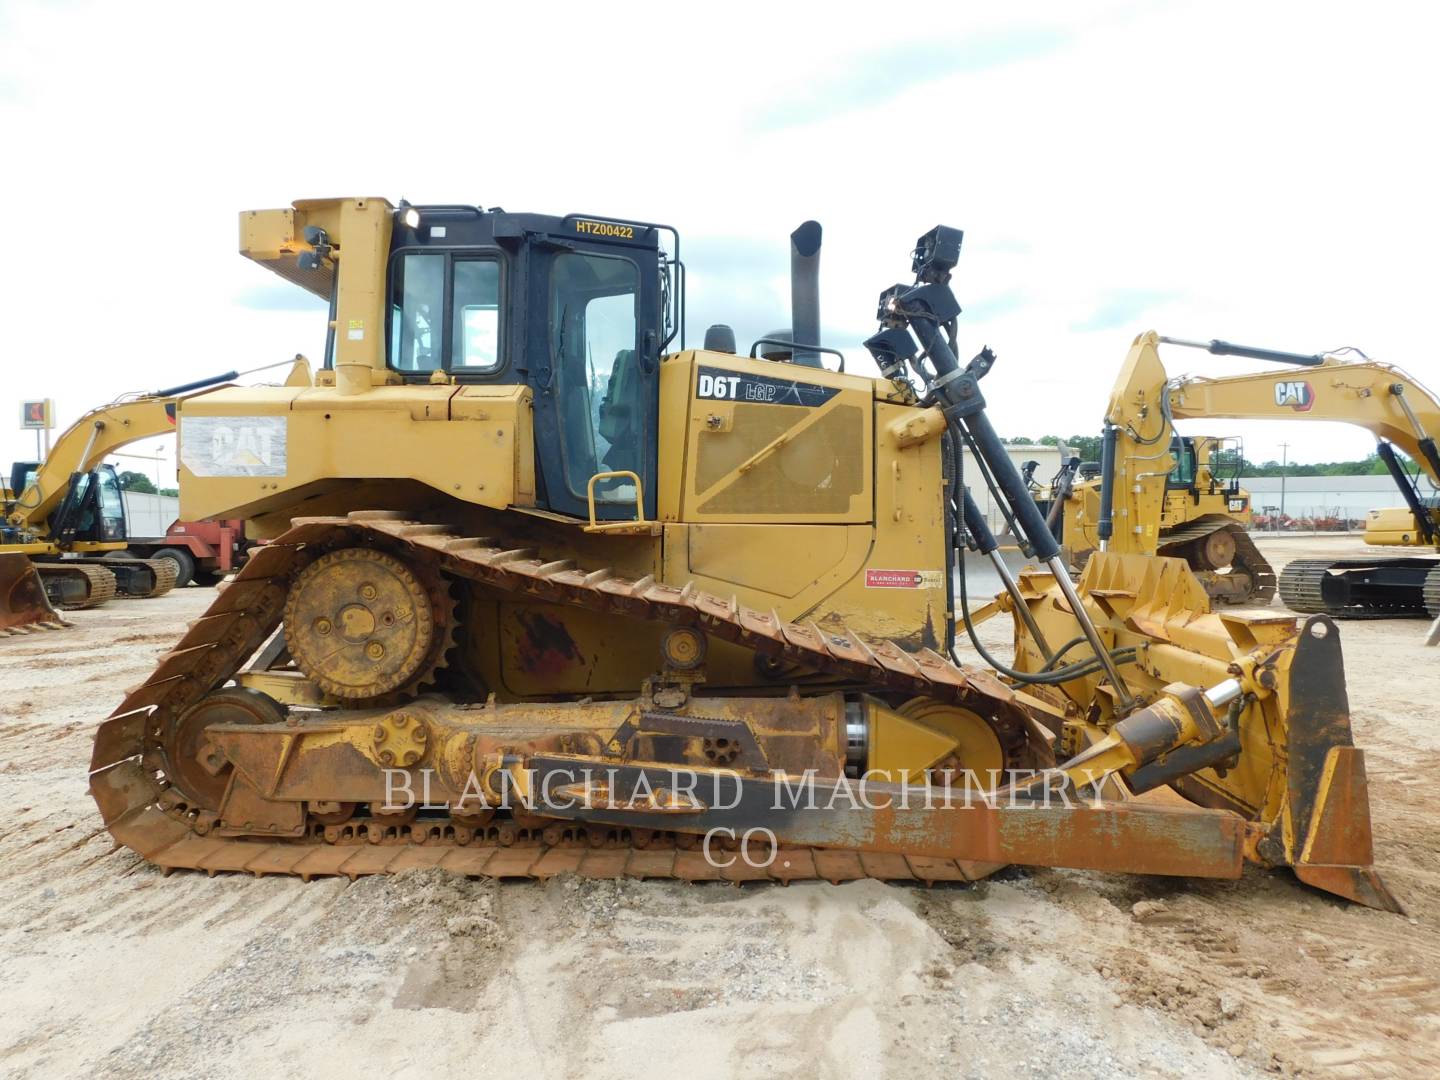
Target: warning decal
<point>903,579</point>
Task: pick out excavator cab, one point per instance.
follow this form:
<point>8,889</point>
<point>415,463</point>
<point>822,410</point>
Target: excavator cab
<point>22,475</point>
<point>94,509</point>
<point>578,309</point>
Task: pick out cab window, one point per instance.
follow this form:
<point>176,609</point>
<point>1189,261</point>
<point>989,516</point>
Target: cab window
<point>112,505</point>
<point>423,287</point>
<point>1183,474</point>
<point>598,379</point>
<point>475,335</point>
<point>417,301</point>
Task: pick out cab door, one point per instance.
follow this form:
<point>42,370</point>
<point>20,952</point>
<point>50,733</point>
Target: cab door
<point>593,357</point>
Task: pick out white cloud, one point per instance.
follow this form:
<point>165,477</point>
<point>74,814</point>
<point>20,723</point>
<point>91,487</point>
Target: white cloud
<point>1262,173</point>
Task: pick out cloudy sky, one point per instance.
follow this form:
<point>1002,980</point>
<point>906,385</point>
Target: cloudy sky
<point>1259,172</point>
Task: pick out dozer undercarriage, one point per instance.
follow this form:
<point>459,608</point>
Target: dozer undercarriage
<point>698,626</point>
<point>191,773</point>
<point>1224,558</point>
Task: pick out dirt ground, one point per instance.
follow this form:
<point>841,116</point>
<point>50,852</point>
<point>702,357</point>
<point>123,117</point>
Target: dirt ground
<point>110,969</point>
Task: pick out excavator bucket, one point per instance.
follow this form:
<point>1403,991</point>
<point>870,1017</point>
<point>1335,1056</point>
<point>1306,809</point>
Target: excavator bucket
<point>24,606</point>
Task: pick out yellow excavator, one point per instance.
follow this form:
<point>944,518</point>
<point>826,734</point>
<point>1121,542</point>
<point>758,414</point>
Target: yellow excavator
<point>546,590</point>
<point>64,533</point>
<point>1158,490</point>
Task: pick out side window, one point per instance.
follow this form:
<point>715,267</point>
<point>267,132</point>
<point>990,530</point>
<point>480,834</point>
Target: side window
<point>1183,474</point>
<point>597,375</point>
<point>112,504</point>
<point>475,334</point>
<point>417,305</point>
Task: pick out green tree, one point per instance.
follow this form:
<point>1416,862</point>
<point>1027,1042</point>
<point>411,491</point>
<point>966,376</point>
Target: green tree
<point>1085,447</point>
<point>136,481</point>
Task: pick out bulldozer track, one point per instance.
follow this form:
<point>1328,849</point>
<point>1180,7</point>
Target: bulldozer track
<point>100,582</point>
<point>1247,556</point>
<point>145,813</point>
<point>1432,593</point>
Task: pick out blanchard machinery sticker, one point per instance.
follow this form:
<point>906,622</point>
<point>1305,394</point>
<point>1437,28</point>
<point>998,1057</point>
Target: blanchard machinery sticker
<point>716,384</point>
<point>904,579</point>
<point>233,445</point>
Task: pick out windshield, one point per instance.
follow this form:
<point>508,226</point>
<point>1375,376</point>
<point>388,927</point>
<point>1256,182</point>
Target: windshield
<point>599,384</point>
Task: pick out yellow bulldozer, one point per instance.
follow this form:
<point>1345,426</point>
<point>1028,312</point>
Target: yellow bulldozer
<point>1200,514</point>
<point>1158,491</point>
<point>546,590</point>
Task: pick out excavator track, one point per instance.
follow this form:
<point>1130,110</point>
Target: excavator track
<point>1412,588</point>
<point>1248,559</point>
<point>136,584</point>
<point>145,812</point>
<point>165,572</point>
<point>99,584</point>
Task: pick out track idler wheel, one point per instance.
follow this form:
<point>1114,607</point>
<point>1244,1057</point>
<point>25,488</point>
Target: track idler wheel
<point>187,741</point>
<point>977,749</point>
<point>1215,551</point>
<point>362,623</point>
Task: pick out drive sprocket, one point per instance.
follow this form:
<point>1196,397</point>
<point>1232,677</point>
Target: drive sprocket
<point>362,623</point>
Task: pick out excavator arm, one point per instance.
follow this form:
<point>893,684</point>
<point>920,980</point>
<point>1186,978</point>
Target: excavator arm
<point>1139,423</point>
<point>83,446</point>
<point>101,432</point>
<point>41,520</point>
<point>1380,398</point>
<point>1120,513</point>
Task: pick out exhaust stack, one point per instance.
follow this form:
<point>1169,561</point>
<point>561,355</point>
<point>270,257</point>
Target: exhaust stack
<point>805,292</point>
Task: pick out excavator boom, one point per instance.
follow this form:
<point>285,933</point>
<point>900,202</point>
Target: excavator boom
<point>1126,514</point>
<point>60,519</point>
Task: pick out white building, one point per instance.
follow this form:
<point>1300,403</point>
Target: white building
<point>1048,464</point>
<point>1325,496</point>
<point>150,515</point>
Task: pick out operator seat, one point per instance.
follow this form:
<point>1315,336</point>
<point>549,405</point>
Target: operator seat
<point>618,413</point>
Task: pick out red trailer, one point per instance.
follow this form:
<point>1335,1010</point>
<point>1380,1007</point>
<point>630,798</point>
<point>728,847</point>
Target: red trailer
<point>203,551</point>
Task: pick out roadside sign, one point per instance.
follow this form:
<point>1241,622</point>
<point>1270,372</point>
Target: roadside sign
<point>37,414</point>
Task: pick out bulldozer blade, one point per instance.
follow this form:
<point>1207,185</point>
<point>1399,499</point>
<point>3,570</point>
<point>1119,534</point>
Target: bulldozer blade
<point>1325,831</point>
<point>24,607</point>
<point>887,819</point>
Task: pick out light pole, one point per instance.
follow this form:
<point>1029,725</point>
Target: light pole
<point>1284,460</point>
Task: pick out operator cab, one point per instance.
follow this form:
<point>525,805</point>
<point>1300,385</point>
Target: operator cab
<point>579,309</point>
<point>1182,476</point>
<point>93,510</point>
<point>22,475</point>
<point>1213,463</point>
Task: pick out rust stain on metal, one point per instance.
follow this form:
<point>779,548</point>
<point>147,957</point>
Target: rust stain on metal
<point>546,647</point>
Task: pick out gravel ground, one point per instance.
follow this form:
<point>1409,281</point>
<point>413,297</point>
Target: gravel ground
<point>112,969</point>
